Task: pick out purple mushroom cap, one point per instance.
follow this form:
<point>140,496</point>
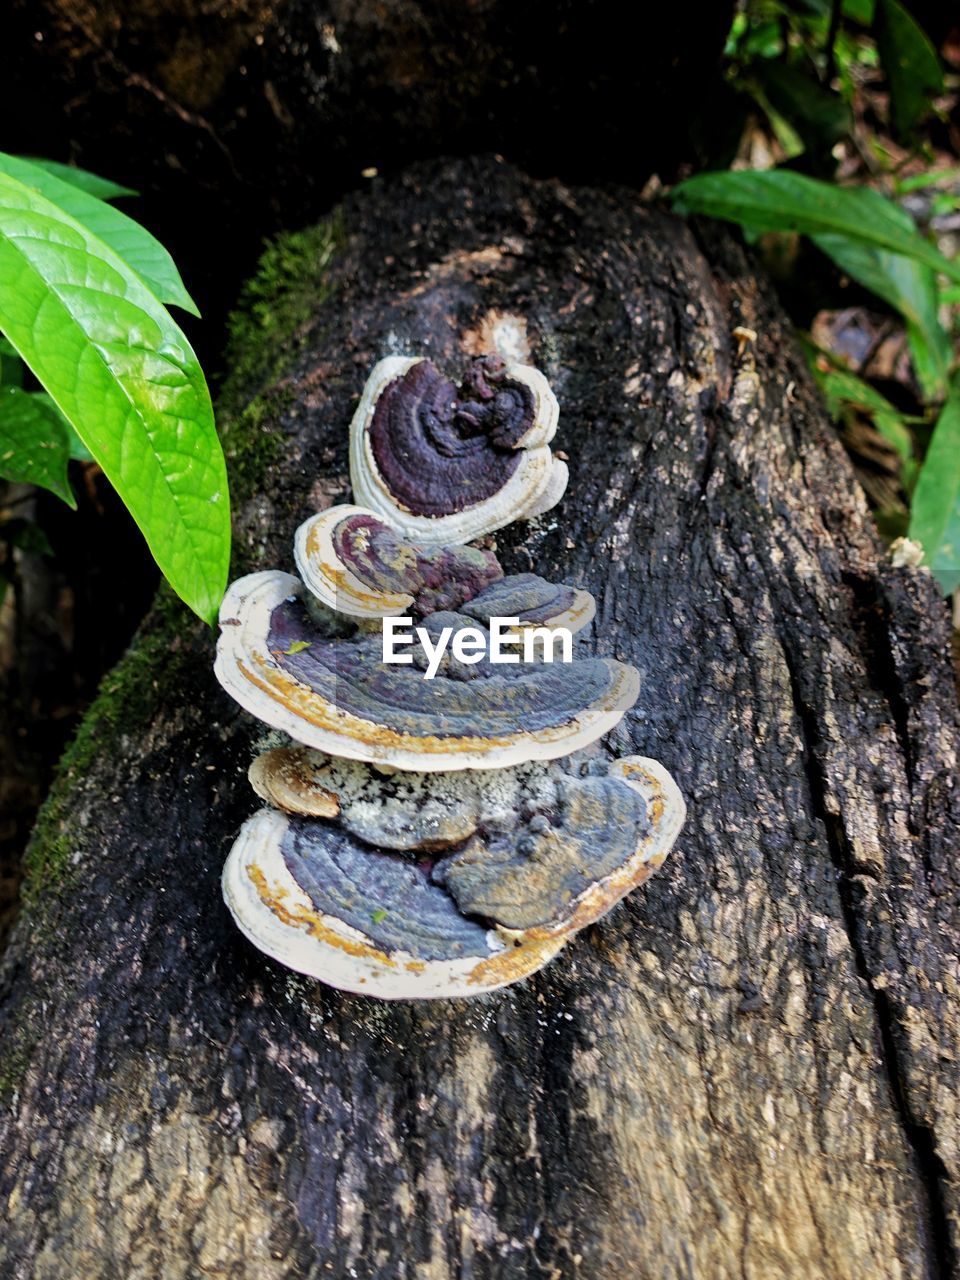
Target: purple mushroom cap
<point>440,450</point>
<point>437,577</point>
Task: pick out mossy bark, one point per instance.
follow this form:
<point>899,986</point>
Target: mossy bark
<point>749,1069</point>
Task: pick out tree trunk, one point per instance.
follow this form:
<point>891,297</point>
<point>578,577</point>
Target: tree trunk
<point>749,1069</point>
<point>276,107</point>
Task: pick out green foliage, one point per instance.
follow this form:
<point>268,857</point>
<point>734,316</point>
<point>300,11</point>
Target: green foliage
<point>275,308</point>
<point>791,93</point>
<point>875,242</point>
<point>806,65</point>
<point>911,65</point>
<point>34,445</point>
<point>910,287</point>
<point>131,242</point>
<point>935,511</point>
<point>781,200</point>
<point>82,293</point>
<point>841,388</point>
<point>11,366</point>
<point>922,181</point>
<point>92,183</point>
<point>777,56</point>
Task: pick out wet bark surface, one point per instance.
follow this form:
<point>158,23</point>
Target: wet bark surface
<point>749,1068</point>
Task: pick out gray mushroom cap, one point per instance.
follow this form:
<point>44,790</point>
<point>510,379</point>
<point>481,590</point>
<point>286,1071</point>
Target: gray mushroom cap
<point>338,695</point>
<point>559,846</point>
<point>449,465</point>
<point>534,601</point>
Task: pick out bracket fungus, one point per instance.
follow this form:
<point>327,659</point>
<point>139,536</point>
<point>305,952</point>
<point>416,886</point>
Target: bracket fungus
<point>336,693</point>
<point>443,820</point>
<point>448,464</point>
<point>540,855</point>
<point>359,564</point>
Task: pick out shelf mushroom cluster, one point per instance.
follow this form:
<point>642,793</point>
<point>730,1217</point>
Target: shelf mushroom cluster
<point>431,837</point>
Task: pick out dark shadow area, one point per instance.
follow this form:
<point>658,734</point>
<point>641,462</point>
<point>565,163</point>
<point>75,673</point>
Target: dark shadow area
<point>237,120</point>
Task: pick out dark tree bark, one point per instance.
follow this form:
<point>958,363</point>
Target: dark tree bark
<point>749,1069</point>
<point>274,107</point>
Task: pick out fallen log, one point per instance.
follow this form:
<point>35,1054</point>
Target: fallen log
<point>749,1068</point>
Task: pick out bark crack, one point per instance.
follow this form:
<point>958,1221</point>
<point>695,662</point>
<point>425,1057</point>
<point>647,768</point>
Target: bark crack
<point>871,617</point>
<point>931,1171</point>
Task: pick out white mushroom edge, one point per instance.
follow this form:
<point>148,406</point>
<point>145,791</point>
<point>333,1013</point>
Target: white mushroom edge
<point>275,914</point>
<point>537,484</point>
<point>250,673</point>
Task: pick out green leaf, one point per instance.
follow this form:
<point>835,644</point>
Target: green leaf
<point>94,185</point>
<point>859,11</point>
<point>297,646</point>
<point>841,388</point>
<point>814,111</point>
<point>791,143</point>
<point>78,450</point>
<point>33,443</point>
<point>11,366</point>
<point>909,287</point>
<point>125,376</point>
<point>920,181</point>
<point>779,200</point>
<point>935,513</point>
<point>135,245</point>
<point>911,64</point>
<point>749,40</point>
<point>944,202</point>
